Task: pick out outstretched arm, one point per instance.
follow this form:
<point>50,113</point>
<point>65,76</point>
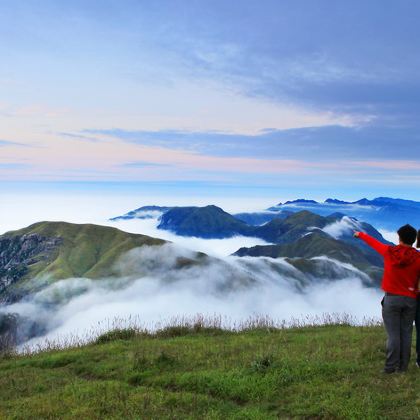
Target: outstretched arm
<point>372,242</point>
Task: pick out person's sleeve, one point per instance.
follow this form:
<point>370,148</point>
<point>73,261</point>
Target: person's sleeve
<point>375,244</point>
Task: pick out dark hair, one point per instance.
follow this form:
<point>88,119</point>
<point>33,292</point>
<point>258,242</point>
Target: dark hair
<point>407,234</point>
<point>418,239</point>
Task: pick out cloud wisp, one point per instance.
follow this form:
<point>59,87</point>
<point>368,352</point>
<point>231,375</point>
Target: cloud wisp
<point>330,143</point>
<point>6,143</point>
<point>214,247</point>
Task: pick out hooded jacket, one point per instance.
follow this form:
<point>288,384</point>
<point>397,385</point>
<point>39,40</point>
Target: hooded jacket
<point>401,267</point>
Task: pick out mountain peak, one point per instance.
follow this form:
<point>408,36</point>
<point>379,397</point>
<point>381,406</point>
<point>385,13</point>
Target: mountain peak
<point>335,201</point>
<point>363,202</point>
<point>301,201</point>
<point>204,222</point>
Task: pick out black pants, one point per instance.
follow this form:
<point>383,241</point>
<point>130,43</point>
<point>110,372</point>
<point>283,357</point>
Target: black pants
<point>418,330</point>
<point>398,313</point>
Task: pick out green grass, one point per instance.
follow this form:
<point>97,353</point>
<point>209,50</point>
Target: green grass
<point>314,372</point>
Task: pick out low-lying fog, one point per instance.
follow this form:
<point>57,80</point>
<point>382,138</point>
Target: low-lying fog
<point>215,247</point>
<point>234,288</point>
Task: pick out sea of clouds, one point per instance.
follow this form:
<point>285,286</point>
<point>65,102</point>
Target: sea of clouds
<point>152,291</point>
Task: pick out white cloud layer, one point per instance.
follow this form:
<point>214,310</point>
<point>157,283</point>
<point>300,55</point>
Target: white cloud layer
<point>234,288</point>
<point>215,247</point>
<point>21,208</point>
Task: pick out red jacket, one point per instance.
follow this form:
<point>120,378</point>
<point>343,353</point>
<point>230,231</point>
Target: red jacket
<point>402,267</point>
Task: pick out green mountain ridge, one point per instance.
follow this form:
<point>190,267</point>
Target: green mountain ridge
<point>64,250</point>
<point>319,244</point>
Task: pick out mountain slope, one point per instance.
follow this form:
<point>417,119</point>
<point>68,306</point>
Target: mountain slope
<point>320,244</point>
<point>290,229</point>
<point>315,244</point>
<point>58,250</point>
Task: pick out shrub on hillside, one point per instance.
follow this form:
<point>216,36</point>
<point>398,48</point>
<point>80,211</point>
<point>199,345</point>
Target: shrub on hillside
<point>118,334</point>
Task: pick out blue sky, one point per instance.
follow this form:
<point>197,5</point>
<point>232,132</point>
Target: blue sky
<point>310,97</point>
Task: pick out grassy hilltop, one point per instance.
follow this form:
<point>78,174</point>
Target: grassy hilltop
<point>187,373</point>
<point>60,250</point>
<point>86,250</point>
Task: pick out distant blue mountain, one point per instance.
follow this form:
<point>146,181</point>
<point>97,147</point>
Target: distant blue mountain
<point>382,212</point>
<point>213,222</point>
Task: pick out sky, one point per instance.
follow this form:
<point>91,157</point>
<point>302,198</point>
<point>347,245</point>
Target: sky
<point>184,98</point>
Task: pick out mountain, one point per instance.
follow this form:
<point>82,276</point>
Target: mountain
<point>204,222</point>
<point>303,234</point>
<point>213,222</point>
<point>334,232</point>
<point>306,235</point>
<point>301,201</point>
<point>59,250</point>
<point>383,212</point>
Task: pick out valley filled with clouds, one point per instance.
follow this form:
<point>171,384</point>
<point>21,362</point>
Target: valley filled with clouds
<point>152,291</point>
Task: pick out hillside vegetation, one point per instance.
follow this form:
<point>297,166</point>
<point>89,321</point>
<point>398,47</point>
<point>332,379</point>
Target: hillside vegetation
<point>188,373</point>
<point>59,250</point>
<point>87,250</point>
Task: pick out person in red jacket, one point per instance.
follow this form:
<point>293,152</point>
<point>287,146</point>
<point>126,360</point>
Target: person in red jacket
<point>400,284</point>
<point>417,320</point>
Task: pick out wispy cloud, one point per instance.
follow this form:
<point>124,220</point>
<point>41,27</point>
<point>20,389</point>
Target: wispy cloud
<point>6,143</point>
<point>390,165</point>
<point>13,166</point>
<point>79,136</point>
<point>374,143</point>
<point>144,164</point>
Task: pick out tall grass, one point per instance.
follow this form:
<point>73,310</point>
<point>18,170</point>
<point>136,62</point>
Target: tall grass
<point>315,367</point>
<point>126,328</point>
